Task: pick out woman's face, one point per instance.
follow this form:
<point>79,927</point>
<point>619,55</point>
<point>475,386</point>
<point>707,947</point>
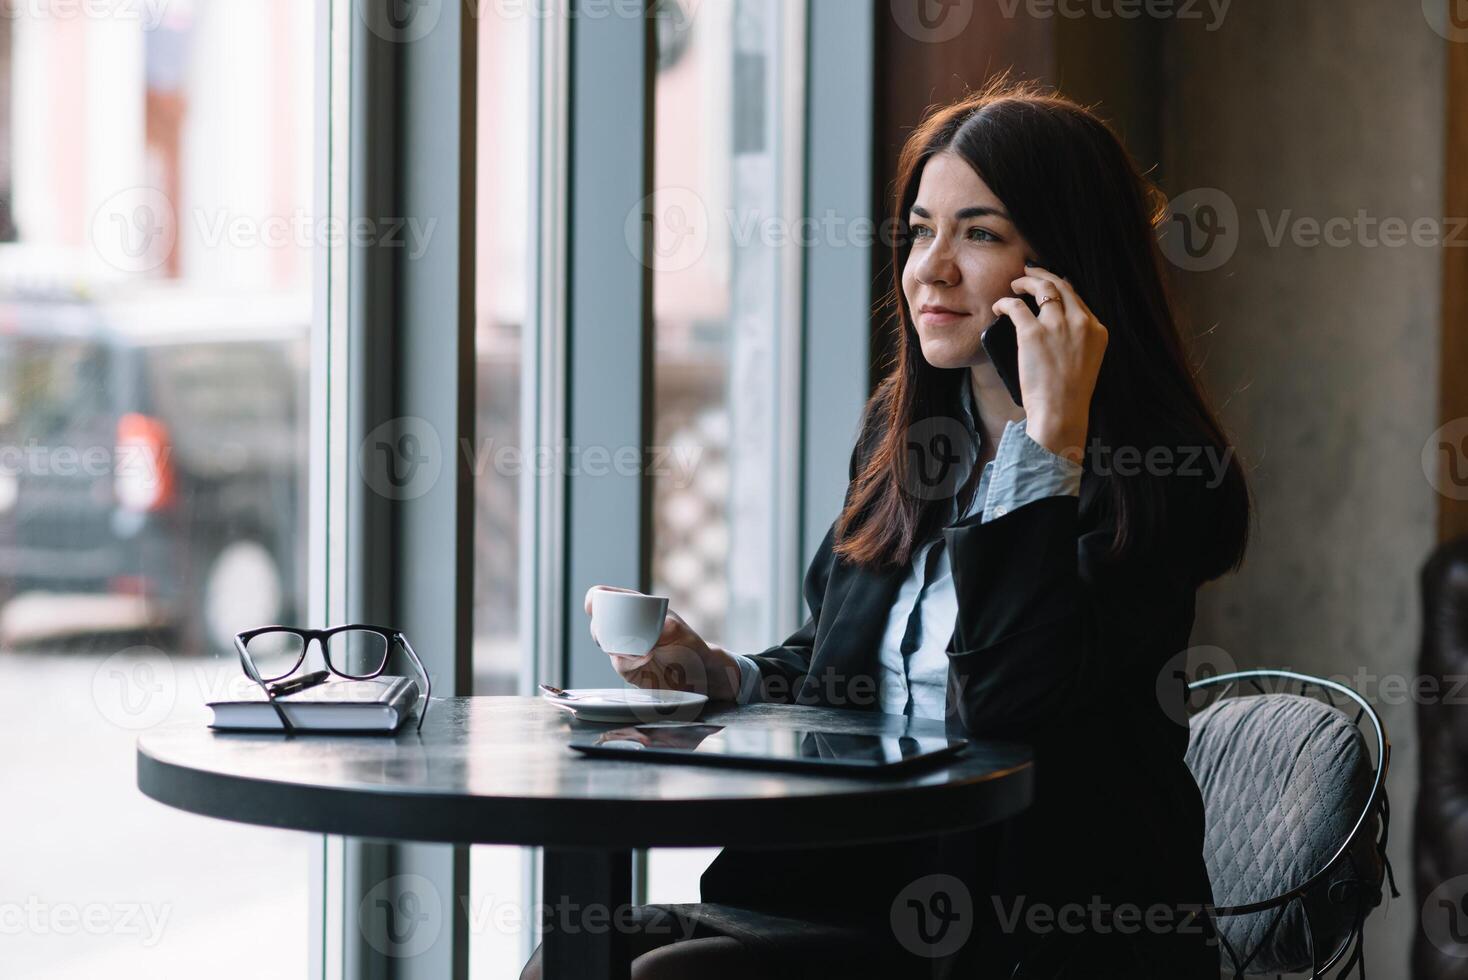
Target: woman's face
<point>965,252</point>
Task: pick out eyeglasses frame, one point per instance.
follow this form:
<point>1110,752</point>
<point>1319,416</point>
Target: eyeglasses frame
<point>389,635</point>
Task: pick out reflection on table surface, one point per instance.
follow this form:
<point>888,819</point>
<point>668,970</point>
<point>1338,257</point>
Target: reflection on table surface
<point>771,743</point>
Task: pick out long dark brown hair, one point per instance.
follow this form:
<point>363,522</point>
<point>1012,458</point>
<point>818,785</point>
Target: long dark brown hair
<point>1078,199</point>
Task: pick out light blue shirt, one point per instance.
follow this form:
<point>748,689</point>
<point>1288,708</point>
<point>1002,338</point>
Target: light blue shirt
<point>1021,472</point>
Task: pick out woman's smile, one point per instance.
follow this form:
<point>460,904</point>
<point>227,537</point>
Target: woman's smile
<point>937,315</point>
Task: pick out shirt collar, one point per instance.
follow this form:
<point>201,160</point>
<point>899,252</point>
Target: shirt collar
<point>971,411</point>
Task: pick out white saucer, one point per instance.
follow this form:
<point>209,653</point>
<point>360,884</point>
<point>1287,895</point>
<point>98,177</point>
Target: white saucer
<point>621,705</point>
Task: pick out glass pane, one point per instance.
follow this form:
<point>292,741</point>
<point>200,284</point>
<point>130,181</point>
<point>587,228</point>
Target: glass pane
<point>357,653</point>
<point>502,245</point>
<point>156,241</point>
<point>498,931</point>
<point>275,654</point>
<point>717,293</point>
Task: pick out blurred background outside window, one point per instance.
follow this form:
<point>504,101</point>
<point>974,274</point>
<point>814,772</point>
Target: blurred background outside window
<point>156,240</point>
<point>502,653</point>
<point>721,139</point>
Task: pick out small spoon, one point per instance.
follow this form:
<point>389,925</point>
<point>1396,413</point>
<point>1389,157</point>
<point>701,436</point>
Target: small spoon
<point>556,692</point>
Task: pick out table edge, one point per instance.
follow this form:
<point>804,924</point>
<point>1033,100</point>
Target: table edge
<point>538,821</point>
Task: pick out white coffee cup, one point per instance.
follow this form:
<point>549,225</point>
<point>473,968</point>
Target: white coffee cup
<point>627,624</point>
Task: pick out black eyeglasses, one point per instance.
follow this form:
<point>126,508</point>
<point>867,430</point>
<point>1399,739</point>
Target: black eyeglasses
<point>270,654</point>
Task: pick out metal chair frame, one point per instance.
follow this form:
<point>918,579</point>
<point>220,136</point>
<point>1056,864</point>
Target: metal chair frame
<point>1376,805</point>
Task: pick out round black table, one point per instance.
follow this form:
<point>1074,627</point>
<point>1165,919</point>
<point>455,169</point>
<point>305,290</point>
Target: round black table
<point>496,770</point>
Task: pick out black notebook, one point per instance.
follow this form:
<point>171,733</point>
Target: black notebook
<point>340,705</point>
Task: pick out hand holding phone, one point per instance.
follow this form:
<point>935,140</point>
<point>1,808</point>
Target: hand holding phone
<point>1061,360</point>
<point>1002,345</point>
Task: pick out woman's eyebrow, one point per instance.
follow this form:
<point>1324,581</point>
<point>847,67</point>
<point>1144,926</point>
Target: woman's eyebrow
<point>978,211</point>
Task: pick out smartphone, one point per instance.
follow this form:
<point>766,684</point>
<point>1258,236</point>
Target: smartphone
<point>1002,346</point>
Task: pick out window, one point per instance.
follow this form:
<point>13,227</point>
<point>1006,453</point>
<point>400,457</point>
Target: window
<point>504,477</point>
<point>156,241</point>
<point>179,387</point>
<point>726,322</point>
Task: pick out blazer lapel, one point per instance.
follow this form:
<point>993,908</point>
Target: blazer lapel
<point>851,647</point>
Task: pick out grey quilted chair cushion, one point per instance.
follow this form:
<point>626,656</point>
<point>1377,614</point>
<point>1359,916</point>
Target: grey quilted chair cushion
<point>1284,779</point>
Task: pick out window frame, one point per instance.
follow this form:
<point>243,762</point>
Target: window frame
<point>392,333</point>
<point>838,292</point>
<point>399,343</point>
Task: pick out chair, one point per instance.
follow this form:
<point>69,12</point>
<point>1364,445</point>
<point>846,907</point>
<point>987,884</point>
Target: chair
<point>1297,819</point>
<point>1296,826</point>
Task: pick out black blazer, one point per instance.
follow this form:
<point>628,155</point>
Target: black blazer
<point>1056,645</point>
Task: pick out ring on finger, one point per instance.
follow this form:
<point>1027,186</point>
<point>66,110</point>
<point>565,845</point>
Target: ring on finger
<point>1048,298</point>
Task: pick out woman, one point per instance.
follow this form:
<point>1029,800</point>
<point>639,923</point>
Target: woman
<point>1040,590</point>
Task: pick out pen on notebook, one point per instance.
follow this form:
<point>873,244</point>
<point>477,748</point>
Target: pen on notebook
<point>299,683</point>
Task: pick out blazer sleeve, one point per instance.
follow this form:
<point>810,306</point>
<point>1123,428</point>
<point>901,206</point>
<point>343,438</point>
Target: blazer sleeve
<point>1039,599</point>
